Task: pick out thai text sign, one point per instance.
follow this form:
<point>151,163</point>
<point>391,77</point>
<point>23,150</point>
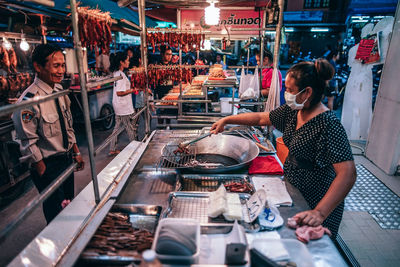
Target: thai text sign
<point>228,18</point>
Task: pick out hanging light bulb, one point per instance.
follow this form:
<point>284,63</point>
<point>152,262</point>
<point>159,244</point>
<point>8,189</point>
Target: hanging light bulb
<point>211,14</point>
<point>6,44</point>
<point>24,45</point>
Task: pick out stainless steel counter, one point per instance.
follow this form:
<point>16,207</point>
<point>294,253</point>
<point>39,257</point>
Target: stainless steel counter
<point>149,185</point>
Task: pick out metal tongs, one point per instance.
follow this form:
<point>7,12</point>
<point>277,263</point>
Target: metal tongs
<point>183,146</point>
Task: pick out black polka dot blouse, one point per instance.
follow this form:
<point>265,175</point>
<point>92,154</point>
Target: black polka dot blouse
<point>313,149</point>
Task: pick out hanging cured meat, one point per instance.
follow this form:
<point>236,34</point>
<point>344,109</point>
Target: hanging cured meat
<point>182,40</point>
<point>158,75</point>
<point>94,28</point>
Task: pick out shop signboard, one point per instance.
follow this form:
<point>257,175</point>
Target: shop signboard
<point>229,19</point>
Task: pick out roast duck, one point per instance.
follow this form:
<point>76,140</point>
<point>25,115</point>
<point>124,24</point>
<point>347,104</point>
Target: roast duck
<point>183,41</point>
<point>12,85</point>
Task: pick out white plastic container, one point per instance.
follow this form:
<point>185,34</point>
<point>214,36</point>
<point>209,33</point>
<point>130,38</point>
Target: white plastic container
<point>297,251</point>
<point>226,107</point>
<point>175,259</point>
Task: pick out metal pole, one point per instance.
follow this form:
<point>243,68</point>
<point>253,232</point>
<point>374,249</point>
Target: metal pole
<point>278,33</point>
<point>248,52</point>
<point>85,103</point>
<point>38,200</point>
<point>179,25</point>
<point>4,110</point>
<point>262,48</point>
<point>143,49</point>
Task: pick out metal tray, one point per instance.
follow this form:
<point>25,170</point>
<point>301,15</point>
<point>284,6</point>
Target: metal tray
<point>143,217</point>
<point>210,182</point>
<point>194,205</point>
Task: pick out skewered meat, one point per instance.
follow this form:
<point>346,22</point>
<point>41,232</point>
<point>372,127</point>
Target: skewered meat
<point>117,237</point>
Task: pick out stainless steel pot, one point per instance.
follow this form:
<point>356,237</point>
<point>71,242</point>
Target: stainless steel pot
<point>216,154</point>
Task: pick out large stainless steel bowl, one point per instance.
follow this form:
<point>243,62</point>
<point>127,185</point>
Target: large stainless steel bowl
<point>227,151</point>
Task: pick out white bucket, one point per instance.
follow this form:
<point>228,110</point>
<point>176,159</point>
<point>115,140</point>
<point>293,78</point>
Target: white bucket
<point>226,107</point>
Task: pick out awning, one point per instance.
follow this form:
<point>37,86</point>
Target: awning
<point>60,10</point>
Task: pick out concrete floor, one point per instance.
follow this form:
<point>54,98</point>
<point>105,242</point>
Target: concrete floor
<point>370,244</point>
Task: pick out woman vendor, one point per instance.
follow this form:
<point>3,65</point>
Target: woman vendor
<point>320,162</point>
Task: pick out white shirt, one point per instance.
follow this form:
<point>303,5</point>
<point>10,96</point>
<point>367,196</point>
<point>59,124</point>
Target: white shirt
<point>122,104</point>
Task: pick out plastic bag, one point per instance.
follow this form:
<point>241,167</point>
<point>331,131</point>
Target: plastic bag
<point>249,85</point>
<point>274,99</point>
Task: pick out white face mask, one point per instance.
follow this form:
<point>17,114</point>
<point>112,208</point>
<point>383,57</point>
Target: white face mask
<point>291,100</point>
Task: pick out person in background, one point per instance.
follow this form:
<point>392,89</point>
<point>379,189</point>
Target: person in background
<point>122,100</point>
<point>134,57</point>
<point>218,60</point>
<point>45,130</point>
<point>320,161</point>
<point>332,57</point>
<point>161,90</point>
<point>103,62</point>
<point>267,72</point>
<point>253,59</point>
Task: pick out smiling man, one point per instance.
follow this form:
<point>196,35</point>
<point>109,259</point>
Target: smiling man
<point>45,130</point>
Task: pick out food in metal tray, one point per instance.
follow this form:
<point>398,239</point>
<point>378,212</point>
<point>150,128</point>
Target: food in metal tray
<point>117,237</point>
<point>217,73</point>
<point>238,187</point>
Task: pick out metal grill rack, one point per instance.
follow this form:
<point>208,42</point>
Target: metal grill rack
<point>209,183</point>
<point>171,160</point>
<point>194,205</point>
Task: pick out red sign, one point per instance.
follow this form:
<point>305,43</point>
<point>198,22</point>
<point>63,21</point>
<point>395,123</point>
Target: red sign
<point>228,18</point>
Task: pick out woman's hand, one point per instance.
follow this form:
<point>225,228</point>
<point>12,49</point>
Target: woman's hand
<point>218,126</point>
<point>309,217</point>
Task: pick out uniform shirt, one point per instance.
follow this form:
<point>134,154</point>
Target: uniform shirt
<point>122,105</point>
<point>38,127</point>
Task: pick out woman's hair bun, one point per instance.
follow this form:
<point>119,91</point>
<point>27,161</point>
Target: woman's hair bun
<point>324,69</point>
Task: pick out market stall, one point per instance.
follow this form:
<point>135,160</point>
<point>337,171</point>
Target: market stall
<point>206,202</point>
<point>235,23</point>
